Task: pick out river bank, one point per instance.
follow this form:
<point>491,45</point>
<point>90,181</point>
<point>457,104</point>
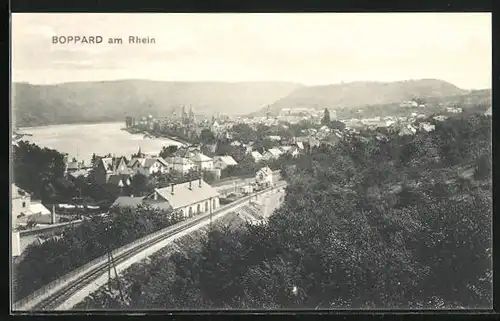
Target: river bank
<point>83,140</point>
<point>150,134</point>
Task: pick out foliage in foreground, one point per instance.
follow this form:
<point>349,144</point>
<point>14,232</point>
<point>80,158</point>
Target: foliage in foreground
<point>81,244</point>
<point>364,225</point>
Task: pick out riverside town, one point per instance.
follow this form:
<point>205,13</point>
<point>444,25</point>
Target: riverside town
<point>167,192</point>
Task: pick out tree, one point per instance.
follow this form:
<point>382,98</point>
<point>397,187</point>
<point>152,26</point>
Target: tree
<point>139,184</point>
<point>336,124</point>
<point>94,160</point>
<point>168,151</point>
<point>207,137</point>
<point>36,170</point>
<point>483,167</point>
<point>326,117</point>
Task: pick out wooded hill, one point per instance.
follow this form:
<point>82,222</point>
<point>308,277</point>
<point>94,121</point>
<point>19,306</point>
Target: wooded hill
<point>80,102</point>
<point>362,94</point>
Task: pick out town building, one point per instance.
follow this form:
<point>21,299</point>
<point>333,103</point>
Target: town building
<point>257,157</point>
<point>427,127</point>
<point>189,199</point>
<point>127,202</point>
<point>202,162</point>
<point>120,180</point>
<point>409,104</point>
<point>454,110</point>
<point>16,244</point>
<point>272,153</point>
<point>408,130</point>
<point>290,150</point>
<point>264,177</point>
<point>221,162</point>
<point>108,166</point>
<point>23,205</point>
<point>179,164</point>
<point>440,118</point>
<point>149,165</point>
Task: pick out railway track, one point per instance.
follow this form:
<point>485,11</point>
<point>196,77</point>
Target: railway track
<point>53,300</point>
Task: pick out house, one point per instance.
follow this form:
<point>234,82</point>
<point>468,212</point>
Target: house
<point>427,127</point>
<point>190,198</point>
<point>256,156</point>
<point>120,180</point>
<point>202,162</point>
<point>264,177</point>
<point>290,150</point>
<point>20,202</point>
<point>16,244</point>
<point>73,166</point>
<point>148,166</point>
<point>221,162</point>
<point>235,143</point>
<point>216,128</point>
<point>179,164</point>
<point>107,166</point>
<point>408,130</point>
<point>488,112</point>
<point>440,118</point>
<point>275,138</point>
<point>81,172</point>
<point>454,110</point>
<point>127,201</point>
<point>272,153</point>
<point>23,205</point>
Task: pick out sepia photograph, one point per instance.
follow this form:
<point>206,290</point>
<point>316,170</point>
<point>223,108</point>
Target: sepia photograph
<point>251,161</point>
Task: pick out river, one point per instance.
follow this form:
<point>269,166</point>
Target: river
<point>82,140</point>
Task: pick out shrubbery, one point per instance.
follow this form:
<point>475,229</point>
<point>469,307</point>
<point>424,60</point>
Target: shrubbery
<point>364,225</point>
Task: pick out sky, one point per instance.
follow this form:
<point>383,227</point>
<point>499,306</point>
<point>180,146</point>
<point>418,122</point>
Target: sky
<point>307,48</point>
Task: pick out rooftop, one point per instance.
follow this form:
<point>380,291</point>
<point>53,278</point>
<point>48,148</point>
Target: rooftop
<point>127,201</point>
<point>228,160</point>
<point>184,195</point>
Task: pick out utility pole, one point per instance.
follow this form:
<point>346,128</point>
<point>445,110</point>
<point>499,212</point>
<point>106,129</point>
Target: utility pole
<point>211,210</point>
<point>116,275</point>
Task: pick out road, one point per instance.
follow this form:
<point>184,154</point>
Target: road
<point>272,202</point>
<point>71,289</point>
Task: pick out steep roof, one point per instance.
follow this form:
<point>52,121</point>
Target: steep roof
<point>73,165</point>
<point>80,172</point>
<point>150,161</point>
<point>275,151</point>
<point>115,179</point>
<point>127,201</point>
<point>228,160</point>
<point>265,171</point>
<point>183,195</point>
<point>178,160</point>
<point>256,154</point>
<point>38,208</point>
<point>199,157</point>
<point>18,192</point>
<point>141,160</point>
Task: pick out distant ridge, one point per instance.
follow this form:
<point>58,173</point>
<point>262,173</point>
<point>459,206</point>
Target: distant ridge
<point>100,101</point>
<point>362,93</point>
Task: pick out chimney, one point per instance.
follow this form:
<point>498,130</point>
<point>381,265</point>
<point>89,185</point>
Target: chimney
<point>53,215</point>
<point>199,183</point>
<point>190,185</point>
<point>172,191</point>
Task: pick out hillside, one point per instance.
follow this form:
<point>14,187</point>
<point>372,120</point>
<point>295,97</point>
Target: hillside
<point>111,100</point>
<point>360,94</point>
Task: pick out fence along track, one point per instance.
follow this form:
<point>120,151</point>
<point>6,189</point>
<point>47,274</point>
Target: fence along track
<point>80,277</point>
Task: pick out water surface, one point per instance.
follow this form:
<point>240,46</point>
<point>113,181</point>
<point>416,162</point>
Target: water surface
<point>82,140</point>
